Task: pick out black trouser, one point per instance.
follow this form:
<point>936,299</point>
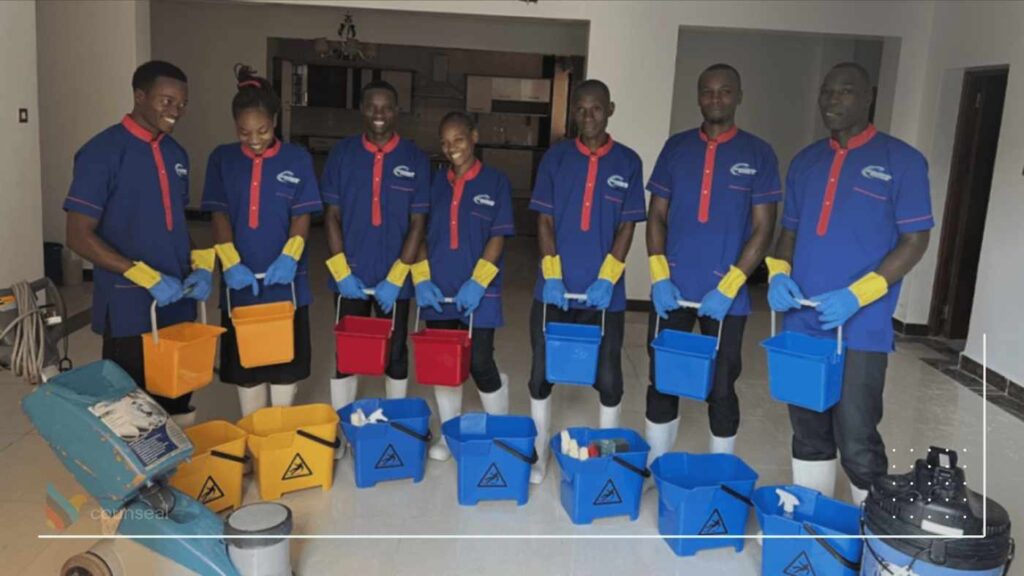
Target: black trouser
<point>481,354</point>
<point>723,404</point>
<point>127,353</point>
<point>851,425</point>
<point>232,371</point>
<point>609,357</point>
<point>398,360</point>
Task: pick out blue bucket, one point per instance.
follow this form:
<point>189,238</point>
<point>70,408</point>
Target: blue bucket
<point>571,352</point>
<point>702,495</point>
<point>804,370</point>
<point>494,455</point>
<point>605,486</point>
<point>684,363</point>
<point>390,450</point>
<point>814,515</point>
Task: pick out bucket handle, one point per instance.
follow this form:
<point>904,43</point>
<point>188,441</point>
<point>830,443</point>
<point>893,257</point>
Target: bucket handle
<point>570,296</point>
<point>642,472</point>
<point>425,438</point>
<point>694,305</point>
<point>846,562</point>
<point>319,440</point>
<point>416,326</point>
<point>260,276</point>
<point>368,292</point>
<point>152,318</point>
<point>531,459</point>
<point>812,304</point>
<point>732,492</point>
<point>231,457</point>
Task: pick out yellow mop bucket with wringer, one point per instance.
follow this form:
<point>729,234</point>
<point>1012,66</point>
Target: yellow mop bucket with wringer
<point>214,475</point>
<point>265,333</point>
<point>179,359</point>
<point>293,447</point>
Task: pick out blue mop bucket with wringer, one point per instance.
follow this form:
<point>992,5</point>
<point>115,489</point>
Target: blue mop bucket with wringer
<point>804,370</point>
<point>705,495</point>
<point>494,455</point>
<point>391,450</point>
<point>797,511</point>
<point>684,362</point>
<point>602,486</point>
<point>571,350</point>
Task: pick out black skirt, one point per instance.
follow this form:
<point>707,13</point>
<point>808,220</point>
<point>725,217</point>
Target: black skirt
<point>232,371</point>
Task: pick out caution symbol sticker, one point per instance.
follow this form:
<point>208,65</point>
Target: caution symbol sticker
<point>210,492</point>
<point>800,566</point>
<point>609,495</point>
<point>492,478</point>
<point>297,469</point>
<point>714,525</point>
<point>389,459</point>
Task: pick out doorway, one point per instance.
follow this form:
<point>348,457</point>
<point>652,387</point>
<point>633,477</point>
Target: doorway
<point>970,180</point>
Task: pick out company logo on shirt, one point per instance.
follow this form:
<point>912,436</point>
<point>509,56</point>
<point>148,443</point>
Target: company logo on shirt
<point>616,181</point>
<point>180,170</point>
<point>876,173</point>
<point>403,172</point>
<point>742,169</point>
<point>483,200</point>
<point>288,177</point>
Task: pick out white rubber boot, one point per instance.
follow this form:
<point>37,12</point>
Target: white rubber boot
<point>185,420</point>
<point>857,495</point>
<point>252,398</point>
<point>661,438</point>
<point>817,475</point>
<point>540,410</point>
<point>449,405</point>
<point>283,394</point>
<point>722,445</point>
<point>496,402</point>
<point>343,393</point>
<point>609,417</point>
<point>394,389</point>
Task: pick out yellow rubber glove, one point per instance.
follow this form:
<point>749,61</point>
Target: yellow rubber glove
<point>484,272</point>
<point>228,255</point>
<point>551,267</point>
<point>204,259</point>
<point>732,282</point>
<point>399,270</point>
<point>142,275</point>
<point>611,269</point>
<point>420,272</point>
<point>776,266</point>
<point>294,247</point>
<point>338,265</point>
<point>659,268</point>
<point>869,288</point>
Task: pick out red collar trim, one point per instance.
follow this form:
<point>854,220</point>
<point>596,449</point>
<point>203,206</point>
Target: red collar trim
<point>269,153</point>
<point>857,141</point>
<point>135,129</point>
<point>723,137</point>
<point>470,174</point>
<point>386,149</point>
<point>603,150</point>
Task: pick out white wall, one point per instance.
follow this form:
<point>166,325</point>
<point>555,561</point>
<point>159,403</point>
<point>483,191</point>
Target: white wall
<point>88,51</point>
<point>21,238</point>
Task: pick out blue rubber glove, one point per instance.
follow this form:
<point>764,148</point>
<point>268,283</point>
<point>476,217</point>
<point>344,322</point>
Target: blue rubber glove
<point>352,287</point>
<point>429,295</point>
<point>239,277</point>
<point>599,294</point>
<point>469,296</point>
<point>199,284</point>
<point>167,291</point>
<point>783,293</point>
<point>665,296</point>
<point>554,293</point>
<point>836,307</point>
<point>281,271</point>
<point>386,293</point>
<point>715,305</point>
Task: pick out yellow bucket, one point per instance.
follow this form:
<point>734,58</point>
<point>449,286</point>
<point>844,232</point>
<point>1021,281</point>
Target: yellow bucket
<point>179,359</point>
<point>293,447</point>
<point>265,333</point>
<point>214,475</point>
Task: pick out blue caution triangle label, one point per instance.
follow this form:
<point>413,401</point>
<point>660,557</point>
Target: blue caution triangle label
<point>492,478</point>
<point>609,495</point>
<point>389,459</point>
<point>714,525</point>
<point>800,566</point>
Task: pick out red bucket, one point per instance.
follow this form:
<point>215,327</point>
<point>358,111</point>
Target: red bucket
<point>442,356</point>
<point>363,345</point>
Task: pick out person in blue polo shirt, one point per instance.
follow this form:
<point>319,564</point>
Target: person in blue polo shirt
<point>262,193</point>
<point>126,215</point>
<point>856,220</point>
<point>589,195</point>
<point>377,189</point>
<point>709,224</point>
<point>470,217</point>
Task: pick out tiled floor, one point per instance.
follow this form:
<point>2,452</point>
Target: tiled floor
<point>924,408</point>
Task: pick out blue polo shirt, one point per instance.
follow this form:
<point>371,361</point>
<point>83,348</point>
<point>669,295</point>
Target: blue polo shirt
<point>848,208</point>
<point>260,195</point>
<point>589,194</point>
<point>378,189</point>
<point>711,185</point>
<point>136,186</point>
<point>465,213</point>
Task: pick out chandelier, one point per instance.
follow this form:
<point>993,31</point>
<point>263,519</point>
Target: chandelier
<point>348,48</point>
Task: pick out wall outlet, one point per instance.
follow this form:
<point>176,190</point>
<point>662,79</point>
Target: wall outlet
<point>22,115</point>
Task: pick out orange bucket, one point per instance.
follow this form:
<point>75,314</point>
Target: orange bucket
<point>214,475</point>
<point>179,359</point>
<point>265,333</point>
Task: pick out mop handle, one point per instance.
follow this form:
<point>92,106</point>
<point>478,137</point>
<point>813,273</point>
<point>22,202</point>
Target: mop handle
<point>368,292</point>
<point>261,276</point>
<point>813,304</point>
<point>570,296</point>
<point>152,317</point>
<point>416,326</point>
<point>694,306</point>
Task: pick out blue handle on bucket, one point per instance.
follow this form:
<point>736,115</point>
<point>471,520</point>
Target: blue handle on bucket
<point>847,563</point>
<point>812,304</point>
